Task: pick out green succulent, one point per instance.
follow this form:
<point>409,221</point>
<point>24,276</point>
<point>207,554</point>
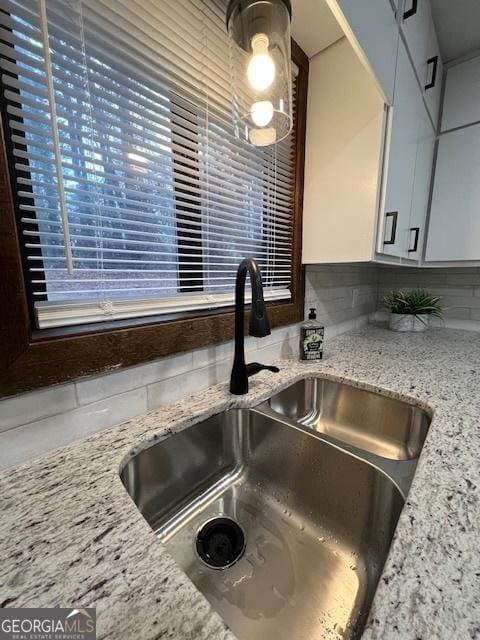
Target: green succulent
<point>417,302</point>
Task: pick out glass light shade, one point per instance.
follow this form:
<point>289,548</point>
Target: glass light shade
<point>261,74</point>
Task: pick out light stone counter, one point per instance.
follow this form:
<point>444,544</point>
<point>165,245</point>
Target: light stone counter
<point>70,535</point>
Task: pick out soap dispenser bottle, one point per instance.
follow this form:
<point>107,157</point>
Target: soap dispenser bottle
<point>311,338</point>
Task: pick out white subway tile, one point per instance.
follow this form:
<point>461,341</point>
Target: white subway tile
<point>453,292</point>
<point>28,407</point>
<point>459,323</point>
<point>268,353</point>
<point>381,315</point>
<point>318,268</point>
<point>369,299</point>
<point>279,334</point>
<point>174,389</point>
<point>342,327</point>
<point>28,441</point>
<point>465,278</point>
<point>460,313</point>
<point>98,387</point>
<point>330,293</point>
<point>396,278</point>
<point>206,356</point>
<point>469,302</point>
<point>338,304</point>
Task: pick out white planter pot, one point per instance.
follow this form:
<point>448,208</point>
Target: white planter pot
<point>401,322</point>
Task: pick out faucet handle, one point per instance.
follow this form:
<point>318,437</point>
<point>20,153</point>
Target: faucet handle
<point>256,367</point>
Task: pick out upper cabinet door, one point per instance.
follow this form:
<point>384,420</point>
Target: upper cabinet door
<point>371,28</point>
<point>401,152</point>
<point>454,229</point>
<point>461,105</point>
<point>434,75</point>
<point>415,24</point>
<point>419,31</point>
<point>421,186</point>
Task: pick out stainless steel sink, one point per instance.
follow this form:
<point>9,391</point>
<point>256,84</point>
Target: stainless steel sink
<point>366,420</point>
<point>317,521</point>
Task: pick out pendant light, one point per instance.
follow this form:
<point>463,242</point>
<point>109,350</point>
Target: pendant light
<point>261,74</point>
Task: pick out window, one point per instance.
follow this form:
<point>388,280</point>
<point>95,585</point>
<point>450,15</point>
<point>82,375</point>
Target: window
<point>133,196</point>
<point>158,200</point>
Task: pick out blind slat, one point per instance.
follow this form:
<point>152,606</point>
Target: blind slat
<point>56,314</point>
<point>259,236</point>
<point>149,219</point>
<point>188,132</point>
<point>142,159</point>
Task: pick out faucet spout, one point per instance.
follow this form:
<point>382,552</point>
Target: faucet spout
<point>259,323</point>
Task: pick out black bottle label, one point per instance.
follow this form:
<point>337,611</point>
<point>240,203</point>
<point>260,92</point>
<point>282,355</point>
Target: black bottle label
<point>312,343</point>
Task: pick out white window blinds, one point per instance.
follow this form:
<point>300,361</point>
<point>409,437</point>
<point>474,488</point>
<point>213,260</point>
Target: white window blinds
<point>134,197</point>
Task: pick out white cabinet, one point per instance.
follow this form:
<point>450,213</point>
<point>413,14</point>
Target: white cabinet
<point>462,95</point>
<point>421,185</point>
<point>372,30</point>
<point>415,25</point>
<point>401,156</point>
<point>434,77</point>
<point>454,228</point>
<point>367,174</point>
<point>421,38</point>
<point>368,168</point>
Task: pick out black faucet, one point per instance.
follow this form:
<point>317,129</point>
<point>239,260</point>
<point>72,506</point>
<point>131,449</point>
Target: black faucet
<point>259,325</point>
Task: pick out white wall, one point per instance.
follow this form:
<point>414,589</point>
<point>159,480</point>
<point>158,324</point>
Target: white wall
<point>342,158</point>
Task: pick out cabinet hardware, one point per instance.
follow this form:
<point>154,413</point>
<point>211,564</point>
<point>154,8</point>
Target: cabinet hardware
<point>393,233</point>
<point>432,61</point>
<point>412,11</point>
<point>415,241</point>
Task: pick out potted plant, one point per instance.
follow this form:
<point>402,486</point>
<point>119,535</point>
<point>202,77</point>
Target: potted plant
<point>411,310</point>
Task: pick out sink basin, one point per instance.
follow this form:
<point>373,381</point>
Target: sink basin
<point>369,421</point>
<point>317,523</point>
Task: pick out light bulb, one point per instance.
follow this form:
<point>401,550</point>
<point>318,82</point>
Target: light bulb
<point>262,112</point>
<point>262,137</point>
<point>261,68</point>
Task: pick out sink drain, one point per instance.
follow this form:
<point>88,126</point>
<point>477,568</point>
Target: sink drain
<point>220,543</point>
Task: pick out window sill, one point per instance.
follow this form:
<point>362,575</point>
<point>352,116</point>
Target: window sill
<point>54,356</point>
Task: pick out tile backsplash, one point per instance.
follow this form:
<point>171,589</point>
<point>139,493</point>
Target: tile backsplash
<point>345,296</point>
<point>459,289</point>
<point>33,423</point>
<point>341,293</point>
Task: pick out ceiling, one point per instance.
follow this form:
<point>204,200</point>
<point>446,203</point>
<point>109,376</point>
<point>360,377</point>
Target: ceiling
<point>457,23</point>
<point>313,26</point>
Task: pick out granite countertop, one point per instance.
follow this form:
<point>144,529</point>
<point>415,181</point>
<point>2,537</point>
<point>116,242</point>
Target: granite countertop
<point>70,534</point>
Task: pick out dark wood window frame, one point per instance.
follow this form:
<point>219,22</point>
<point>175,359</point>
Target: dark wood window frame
<point>32,358</point>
